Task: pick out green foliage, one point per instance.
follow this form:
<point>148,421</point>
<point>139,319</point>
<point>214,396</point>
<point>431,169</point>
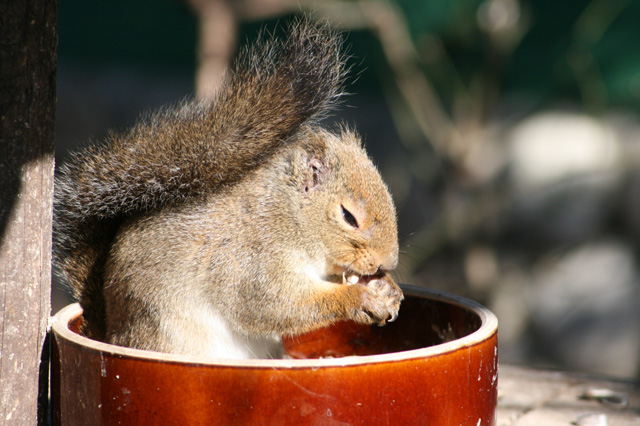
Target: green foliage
<point>582,51</point>
<point>139,32</point>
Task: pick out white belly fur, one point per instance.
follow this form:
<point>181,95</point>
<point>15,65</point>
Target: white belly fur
<point>204,332</point>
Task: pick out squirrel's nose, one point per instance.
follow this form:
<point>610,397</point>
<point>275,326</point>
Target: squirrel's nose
<point>388,264</point>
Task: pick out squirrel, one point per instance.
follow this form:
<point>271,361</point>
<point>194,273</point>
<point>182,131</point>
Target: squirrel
<point>215,228</point>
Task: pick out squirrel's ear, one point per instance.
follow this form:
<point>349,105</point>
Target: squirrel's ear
<point>316,174</point>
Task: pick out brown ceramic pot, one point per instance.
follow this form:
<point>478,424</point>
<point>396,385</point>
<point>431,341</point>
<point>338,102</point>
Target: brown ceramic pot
<point>436,365</point>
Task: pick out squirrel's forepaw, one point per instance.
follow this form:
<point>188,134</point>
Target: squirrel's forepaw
<point>381,301</point>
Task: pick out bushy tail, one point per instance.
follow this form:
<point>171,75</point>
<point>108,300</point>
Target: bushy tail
<point>272,90</point>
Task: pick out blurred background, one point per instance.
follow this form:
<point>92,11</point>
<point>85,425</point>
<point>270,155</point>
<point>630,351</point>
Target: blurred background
<point>507,130</point>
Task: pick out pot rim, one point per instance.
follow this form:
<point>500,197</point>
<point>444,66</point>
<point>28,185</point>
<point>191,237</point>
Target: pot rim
<point>488,327</point>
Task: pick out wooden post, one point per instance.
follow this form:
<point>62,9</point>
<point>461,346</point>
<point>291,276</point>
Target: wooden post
<point>28,41</point>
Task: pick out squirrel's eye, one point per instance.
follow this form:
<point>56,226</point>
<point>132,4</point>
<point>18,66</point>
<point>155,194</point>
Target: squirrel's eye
<point>349,218</point>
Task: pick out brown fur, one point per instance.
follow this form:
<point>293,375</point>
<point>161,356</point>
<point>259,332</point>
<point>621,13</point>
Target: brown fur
<point>230,210</point>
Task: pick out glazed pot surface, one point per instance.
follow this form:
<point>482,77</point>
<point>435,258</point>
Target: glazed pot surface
<point>436,365</point>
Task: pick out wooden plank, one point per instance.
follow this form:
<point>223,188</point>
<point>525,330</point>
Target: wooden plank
<point>28,40</point>
<point>528,397</point>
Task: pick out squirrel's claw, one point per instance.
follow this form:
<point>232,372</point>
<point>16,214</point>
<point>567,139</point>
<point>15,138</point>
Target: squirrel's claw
<point>381,301</point>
